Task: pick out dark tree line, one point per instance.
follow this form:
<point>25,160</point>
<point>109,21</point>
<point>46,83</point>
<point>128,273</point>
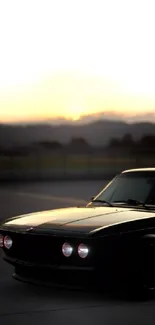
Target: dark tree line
<point>75,145</point>
<point>146,144</point>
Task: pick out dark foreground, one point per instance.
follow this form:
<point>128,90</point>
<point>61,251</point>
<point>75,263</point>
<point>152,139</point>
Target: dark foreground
<point>20,303</point>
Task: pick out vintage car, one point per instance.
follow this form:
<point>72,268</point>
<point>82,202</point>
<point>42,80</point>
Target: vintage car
<point>109,242</point>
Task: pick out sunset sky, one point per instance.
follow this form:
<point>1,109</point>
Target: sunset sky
<point>75,57</point>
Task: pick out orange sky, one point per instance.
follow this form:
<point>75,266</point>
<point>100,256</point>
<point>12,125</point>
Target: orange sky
<point>68,58</point>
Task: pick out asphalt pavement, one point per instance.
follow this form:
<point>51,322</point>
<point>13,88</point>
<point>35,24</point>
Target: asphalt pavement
<point>23,304</point>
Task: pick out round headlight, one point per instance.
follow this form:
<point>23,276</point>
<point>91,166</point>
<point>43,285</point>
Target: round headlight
<point>1,240</point>
<point>67,249</point>
<point>83,250</point>
<point>8,242</point>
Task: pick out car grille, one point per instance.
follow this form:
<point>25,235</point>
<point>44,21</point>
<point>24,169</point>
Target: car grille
<point>43,249</point>
<point>35,248</point>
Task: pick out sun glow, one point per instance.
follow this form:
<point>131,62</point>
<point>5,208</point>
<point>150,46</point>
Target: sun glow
<point>75,112</point>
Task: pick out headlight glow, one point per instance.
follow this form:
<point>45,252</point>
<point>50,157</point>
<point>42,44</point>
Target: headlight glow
<point>67,249</point>
<point>8,242</point>
<point>83,250</point>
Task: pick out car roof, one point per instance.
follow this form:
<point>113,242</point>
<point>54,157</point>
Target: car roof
<point>139,170</point>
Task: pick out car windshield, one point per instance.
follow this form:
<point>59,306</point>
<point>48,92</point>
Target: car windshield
<point>132,188</point>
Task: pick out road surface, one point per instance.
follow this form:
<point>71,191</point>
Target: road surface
<point>23,304</point>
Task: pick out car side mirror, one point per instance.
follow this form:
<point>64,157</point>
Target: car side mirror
<point>93,197</point>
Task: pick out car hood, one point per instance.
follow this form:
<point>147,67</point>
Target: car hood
<point>77,219</point>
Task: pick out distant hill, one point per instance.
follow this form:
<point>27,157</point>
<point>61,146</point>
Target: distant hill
<point>97,133</point>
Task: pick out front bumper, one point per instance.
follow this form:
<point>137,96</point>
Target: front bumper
<point>62,276</point>
<point>75,279</point>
